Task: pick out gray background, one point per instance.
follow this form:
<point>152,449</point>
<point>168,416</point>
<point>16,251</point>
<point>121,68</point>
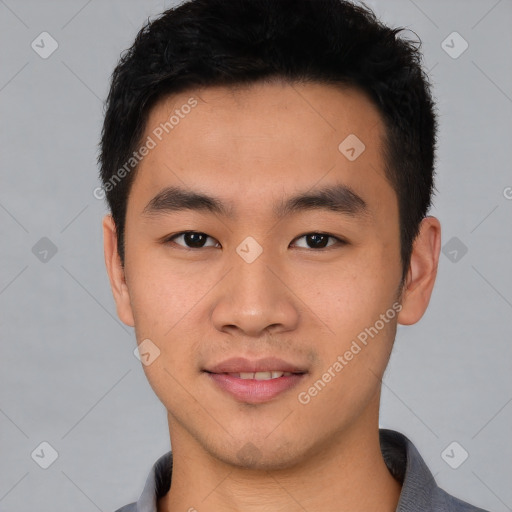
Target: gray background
<point>69,376</point>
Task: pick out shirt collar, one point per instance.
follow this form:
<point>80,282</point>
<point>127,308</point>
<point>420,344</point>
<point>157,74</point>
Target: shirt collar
<point>419,489</point>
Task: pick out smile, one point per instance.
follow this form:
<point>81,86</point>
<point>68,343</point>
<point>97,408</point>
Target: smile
<point>257,387</point>
<point>260,375</point>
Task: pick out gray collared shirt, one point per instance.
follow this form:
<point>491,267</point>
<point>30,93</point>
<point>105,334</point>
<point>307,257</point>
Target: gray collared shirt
<point>420,493</point>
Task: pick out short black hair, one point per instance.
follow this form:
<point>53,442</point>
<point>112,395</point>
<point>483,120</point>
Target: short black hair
<point>202,43</point>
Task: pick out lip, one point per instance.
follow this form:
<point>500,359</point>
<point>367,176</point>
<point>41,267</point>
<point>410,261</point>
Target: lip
<point>267,364</point>
<point>254,391</point>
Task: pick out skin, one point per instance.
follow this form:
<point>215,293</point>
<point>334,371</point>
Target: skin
<point>251,147</point>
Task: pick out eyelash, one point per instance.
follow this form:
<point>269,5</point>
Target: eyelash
<point>339,241</point>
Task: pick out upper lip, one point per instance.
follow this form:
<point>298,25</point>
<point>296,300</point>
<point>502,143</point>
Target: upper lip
<point>267,364</point>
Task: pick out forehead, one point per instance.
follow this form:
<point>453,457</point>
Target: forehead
<point>263,140</point>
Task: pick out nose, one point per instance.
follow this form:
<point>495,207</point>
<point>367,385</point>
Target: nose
<point>255,297</point>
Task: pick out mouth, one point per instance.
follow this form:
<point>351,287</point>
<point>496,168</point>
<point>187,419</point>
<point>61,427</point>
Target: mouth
<point>255,388</point>
<point>241,365</point>
<point>255,381</point>
<point>274,374</point>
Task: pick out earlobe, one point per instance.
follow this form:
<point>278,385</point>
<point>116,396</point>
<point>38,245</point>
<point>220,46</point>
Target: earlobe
<point>422,272</point>
<point>116,272</point>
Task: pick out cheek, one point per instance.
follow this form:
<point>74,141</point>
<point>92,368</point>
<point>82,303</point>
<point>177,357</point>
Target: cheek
<point>166,304</point>
<point>351,296</point>
<point>160,295</point>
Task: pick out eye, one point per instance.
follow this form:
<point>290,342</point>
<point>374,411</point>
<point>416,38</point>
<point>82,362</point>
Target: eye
<point>197,240</point>
<point>191,239</point>
<point>319,240</point>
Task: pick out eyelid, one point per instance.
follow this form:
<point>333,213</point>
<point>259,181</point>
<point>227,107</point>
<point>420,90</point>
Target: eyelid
<point>170,239</point>
<point>339,241</point>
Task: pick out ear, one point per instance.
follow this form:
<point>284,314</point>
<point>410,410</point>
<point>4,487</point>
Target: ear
<point>116,272</point>
<point>422,272</point>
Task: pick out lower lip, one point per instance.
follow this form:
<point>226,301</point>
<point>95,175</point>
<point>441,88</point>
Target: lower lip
<point>255,391</point>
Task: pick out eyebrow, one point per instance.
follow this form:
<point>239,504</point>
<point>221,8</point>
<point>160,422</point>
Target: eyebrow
<point>338,198</point>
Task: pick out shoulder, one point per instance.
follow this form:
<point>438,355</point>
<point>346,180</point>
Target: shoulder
<point>447,503</point>
<point>132,507</point>
<point>420,490</point>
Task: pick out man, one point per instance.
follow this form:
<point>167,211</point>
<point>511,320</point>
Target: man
<point>269,167</point>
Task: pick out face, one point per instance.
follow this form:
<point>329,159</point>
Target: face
<point>261,269</point>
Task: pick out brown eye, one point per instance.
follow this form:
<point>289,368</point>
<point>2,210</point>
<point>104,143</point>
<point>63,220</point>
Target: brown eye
<point>191,239</point>
<point>319,240</point>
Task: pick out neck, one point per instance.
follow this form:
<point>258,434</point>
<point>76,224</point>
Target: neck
<point>338,476</point>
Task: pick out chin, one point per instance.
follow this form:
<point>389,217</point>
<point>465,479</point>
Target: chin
<point>265,456</point>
